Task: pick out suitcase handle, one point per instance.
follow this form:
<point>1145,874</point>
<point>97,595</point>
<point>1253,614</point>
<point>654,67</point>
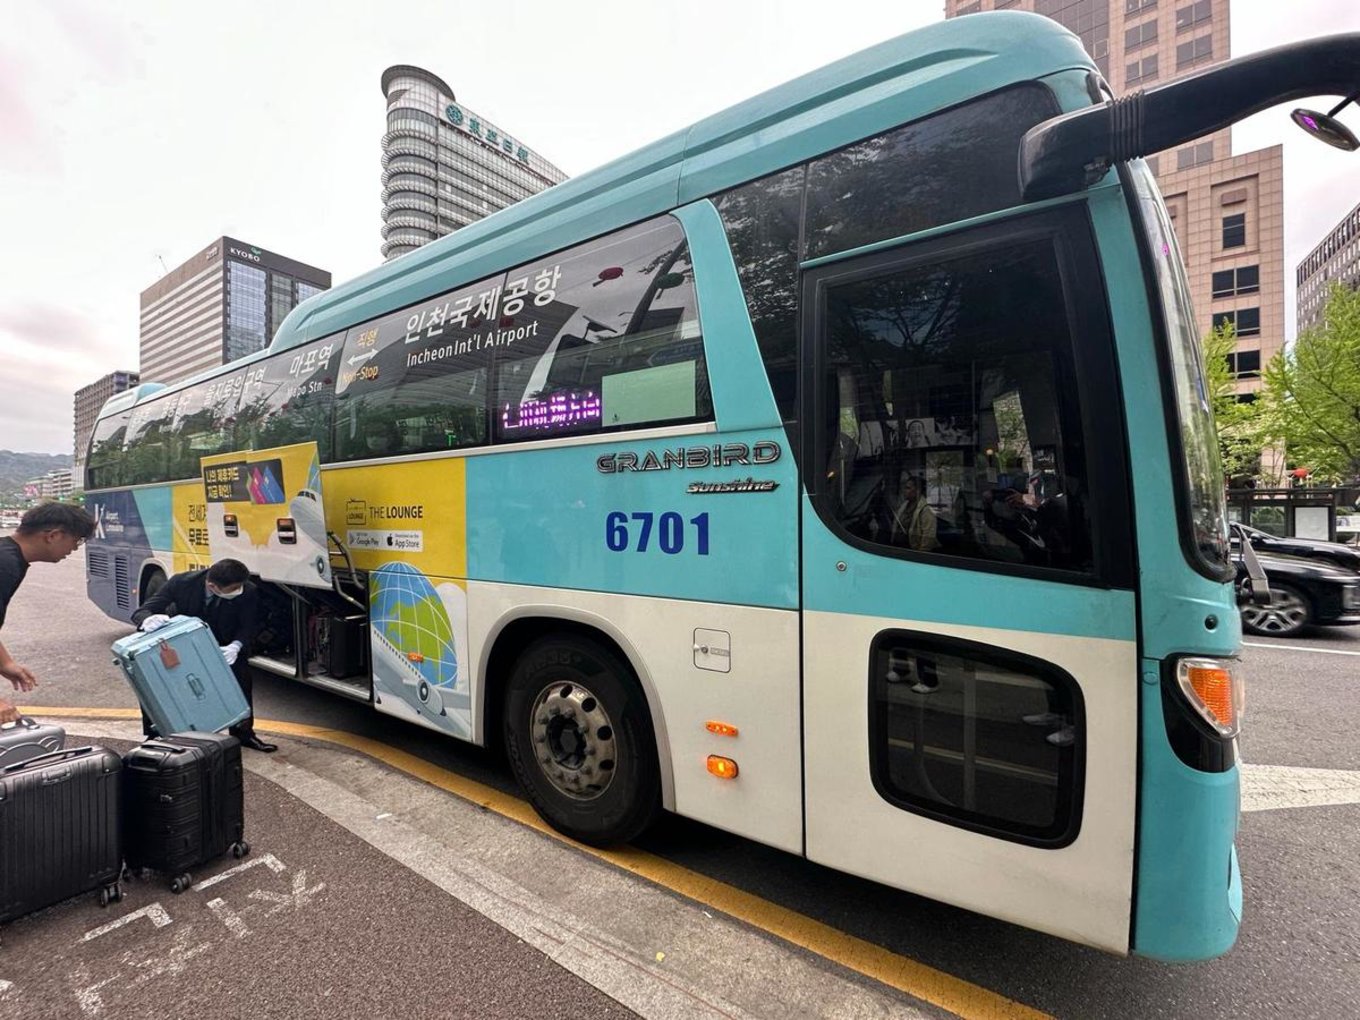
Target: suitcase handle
<point>50,756</point>
<point>23,721</point>
<point>161,746</point>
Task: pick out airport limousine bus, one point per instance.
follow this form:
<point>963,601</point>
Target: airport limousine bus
<point>837,472</point>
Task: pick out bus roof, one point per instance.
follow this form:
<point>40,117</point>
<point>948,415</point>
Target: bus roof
<point>858,96</point>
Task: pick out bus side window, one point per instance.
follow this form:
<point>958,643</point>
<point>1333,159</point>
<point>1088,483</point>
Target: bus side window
<point>603,336</point>
<point>146,452</point>
<point>290,400</point>
<point>103,467</point>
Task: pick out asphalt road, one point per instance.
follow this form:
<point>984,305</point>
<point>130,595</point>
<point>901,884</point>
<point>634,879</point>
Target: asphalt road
<point>1298,954</point>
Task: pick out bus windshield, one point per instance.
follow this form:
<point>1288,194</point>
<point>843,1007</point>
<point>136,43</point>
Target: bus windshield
<point>1203,512</point>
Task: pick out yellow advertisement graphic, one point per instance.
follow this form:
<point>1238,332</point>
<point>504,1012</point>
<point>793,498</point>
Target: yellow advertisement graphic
<point>410,512</point>
<point>190,526</point>
<point>265,508</point>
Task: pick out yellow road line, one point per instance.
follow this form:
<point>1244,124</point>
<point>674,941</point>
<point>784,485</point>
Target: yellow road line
<point>960,997</point>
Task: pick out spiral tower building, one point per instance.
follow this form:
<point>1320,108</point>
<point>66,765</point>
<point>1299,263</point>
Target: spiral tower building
<point>445,166</point>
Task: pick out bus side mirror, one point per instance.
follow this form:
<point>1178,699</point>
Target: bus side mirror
<point>1326,128</point>
<point>1255,589</point>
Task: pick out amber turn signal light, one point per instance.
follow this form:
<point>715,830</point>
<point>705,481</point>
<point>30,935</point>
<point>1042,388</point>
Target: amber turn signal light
<point>1214,688</point>
<point>723,768</point>
<point>722,729</point>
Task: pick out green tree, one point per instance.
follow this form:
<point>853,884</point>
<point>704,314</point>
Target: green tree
<point>1244,426</point>
<point>1314,391</point>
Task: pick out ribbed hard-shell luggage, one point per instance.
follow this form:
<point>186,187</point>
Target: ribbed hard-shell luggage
<point>184,803</point>
<point>180,677</point>
<point>60,829</point>
<point>28,738</point>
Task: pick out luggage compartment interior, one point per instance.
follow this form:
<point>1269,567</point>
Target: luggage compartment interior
<point>317,636</point>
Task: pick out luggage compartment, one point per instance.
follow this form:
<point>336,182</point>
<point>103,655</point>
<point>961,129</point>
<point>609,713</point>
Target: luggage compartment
<point>60,829</point>
<point>184,804</point>
<point>180,677</point>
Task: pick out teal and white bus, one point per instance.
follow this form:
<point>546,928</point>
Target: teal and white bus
<point>837,472</point>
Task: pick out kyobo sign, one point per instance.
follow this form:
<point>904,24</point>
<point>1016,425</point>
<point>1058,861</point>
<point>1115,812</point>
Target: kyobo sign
<point>484,132</point>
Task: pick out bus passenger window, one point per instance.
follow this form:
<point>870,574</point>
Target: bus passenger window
<point>146,453</point>
<point>103,467</point>
<point>289,399</point>
<point>602,337</point>
<point>415,381</point>
<point>953,395</point>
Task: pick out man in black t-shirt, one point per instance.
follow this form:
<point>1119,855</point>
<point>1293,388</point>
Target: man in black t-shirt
<point>46,534</point>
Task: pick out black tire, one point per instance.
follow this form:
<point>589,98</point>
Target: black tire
<point>1289,612</point>
<point>601,783</point>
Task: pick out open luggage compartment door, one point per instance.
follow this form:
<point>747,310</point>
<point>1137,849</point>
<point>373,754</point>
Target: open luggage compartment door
<point>265,509</point>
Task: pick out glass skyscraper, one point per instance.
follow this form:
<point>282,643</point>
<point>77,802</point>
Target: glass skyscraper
<point>224,303</point>
<point>445,166</point>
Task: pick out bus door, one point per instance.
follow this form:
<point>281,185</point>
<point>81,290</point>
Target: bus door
<point>969,655</point>
<point>264,508</point>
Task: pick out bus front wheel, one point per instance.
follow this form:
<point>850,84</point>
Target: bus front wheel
<point>579,737</point>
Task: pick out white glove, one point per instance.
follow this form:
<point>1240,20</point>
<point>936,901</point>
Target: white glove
<point>154,621</point>
<point>229,652</point>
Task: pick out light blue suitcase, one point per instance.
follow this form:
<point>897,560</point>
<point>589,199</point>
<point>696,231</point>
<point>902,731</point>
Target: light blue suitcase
<point>180,677</point>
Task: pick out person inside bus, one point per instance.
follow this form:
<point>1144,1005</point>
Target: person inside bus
<point>913,522</point>
<point>224,598</point>
<point>47,533</point>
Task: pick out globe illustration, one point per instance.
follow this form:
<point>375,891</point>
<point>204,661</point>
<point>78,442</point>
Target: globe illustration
<point>407,611</point>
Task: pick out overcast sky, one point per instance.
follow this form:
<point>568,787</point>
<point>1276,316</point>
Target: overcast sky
<point>141,131</point>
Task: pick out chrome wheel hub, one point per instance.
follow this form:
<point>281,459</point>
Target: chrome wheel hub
<point>573,740</point>
<point>1286,612</point>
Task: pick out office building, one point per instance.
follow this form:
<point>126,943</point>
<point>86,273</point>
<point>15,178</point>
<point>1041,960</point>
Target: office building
<point>222,304</point>
<point>56,484</point>
<point>445,166</point>
<point>1228,209</point>
<point>89,399</point>
<point>1336,259</point>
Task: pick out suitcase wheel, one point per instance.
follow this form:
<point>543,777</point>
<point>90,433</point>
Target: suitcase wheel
<point>240,849</point>
<point>110,894</point>
<point>180,882</point>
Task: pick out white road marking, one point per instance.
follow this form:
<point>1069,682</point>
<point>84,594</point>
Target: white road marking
<point>89,1000</point>
<point>228,917</point>
<point>1273,787</point>
<point>172,963</point>
<point>155,913</point>
<point>5,988</point>
<point>268,860</point>
<point>299,898</point>
<point>1298,648</point>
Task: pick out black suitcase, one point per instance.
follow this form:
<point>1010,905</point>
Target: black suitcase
<point>60,831</point>
<point>183,804</point>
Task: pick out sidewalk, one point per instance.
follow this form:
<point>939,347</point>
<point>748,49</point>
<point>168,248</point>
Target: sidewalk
<point>372,893</point>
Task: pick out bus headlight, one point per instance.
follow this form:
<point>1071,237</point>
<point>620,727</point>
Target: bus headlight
<point>1214,688</point>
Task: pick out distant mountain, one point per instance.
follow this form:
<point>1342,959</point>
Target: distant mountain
<point>17,468</point>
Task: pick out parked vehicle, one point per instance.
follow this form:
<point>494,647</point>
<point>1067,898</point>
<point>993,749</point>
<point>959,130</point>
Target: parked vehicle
<point>1344,556</point>
<point>1303,592</point>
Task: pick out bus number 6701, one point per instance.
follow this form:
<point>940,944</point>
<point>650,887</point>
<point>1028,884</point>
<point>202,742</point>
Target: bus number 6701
<point>668,528</point>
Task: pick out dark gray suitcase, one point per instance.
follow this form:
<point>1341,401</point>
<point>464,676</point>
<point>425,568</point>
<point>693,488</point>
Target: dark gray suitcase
<point>183,803</point>
<point>28,738</point>
<point>60,829</point>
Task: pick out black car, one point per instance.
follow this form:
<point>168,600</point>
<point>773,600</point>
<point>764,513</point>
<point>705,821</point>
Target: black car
<point>1345,556</point>
<point>1303,593</point>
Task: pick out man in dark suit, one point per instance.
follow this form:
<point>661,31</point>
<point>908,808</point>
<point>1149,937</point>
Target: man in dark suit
<point>224,598</point>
